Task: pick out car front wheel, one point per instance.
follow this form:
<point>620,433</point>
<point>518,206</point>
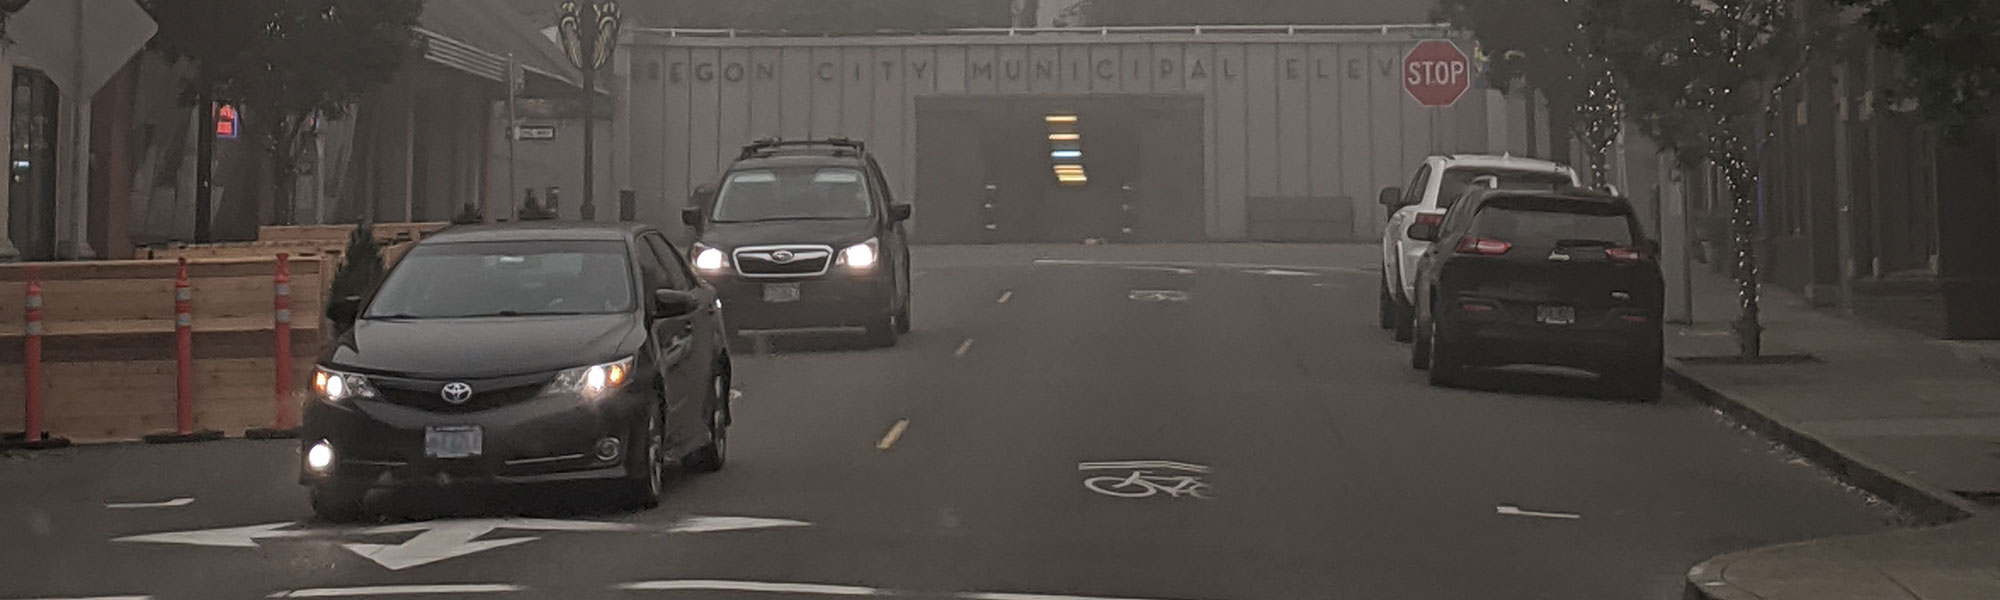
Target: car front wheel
<point>644,486</point>
<point>710,458</point>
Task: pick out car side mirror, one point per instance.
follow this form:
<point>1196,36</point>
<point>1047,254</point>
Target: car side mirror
<point>1391,197</point>
<point>343,311</point>
<point>901,212</point>
<point>1423,231</point>
<point>674,303</point>
<point>691,216</point>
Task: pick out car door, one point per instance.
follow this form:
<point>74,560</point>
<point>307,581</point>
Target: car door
<point>672,343</point>
<point>692,339</point>
<point>1397,235</point>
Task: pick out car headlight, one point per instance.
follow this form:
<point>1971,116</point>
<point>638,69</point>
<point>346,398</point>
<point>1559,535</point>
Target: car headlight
<point>709,259</point>
<point>335,386</point>
<point>862,255</point>
<point>594,381</point>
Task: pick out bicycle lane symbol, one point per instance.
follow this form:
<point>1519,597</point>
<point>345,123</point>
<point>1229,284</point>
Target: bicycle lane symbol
<point>1146,478</point>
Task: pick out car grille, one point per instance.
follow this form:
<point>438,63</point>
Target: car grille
<point>426,396</point>
<point>783,261</point>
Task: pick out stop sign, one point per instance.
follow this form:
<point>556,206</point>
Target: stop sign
<point>1435,73</point>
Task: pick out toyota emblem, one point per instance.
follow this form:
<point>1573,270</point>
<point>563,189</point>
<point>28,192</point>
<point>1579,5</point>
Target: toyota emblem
<point>456,392</point>
<point>783,256</point>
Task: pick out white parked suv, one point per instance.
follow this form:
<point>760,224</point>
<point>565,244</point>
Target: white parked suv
<point>1438,183</point>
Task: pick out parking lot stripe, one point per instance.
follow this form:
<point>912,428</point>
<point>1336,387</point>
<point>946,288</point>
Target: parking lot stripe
<point>895,433</point>
<point>752,586</point>
<point>390,590</point>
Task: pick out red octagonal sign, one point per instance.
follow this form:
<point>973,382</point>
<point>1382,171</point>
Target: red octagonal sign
<point>1436,73</point>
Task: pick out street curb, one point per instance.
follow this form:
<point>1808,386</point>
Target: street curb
<point>1924,503</point>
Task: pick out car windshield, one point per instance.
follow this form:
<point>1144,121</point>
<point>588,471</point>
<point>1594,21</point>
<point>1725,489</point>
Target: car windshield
<point>480,279</point>
<point>1457,180</point>
<point>793,193</point>
<point>1551,223</point>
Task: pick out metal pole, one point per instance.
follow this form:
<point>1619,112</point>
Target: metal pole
<point>204,167</point>
<point>513,128</point>
<point>589,43</point>
<point>1843,193</point>
<point>79,111</point>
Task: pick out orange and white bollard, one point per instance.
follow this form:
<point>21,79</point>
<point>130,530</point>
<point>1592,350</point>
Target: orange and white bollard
<point>284,425</point>
<point>184,430</point>
<point>32,434</point>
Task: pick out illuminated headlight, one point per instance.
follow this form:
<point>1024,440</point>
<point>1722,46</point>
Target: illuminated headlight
<point>593,381</point>
<point>862,255</point>
<point>709,259</point>
<point>335,386</point>
<point>319,457</point>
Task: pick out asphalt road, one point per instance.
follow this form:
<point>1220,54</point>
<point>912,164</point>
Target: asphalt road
<point>1291,452</point>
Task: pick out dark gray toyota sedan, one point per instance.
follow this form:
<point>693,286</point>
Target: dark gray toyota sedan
<point>521,353</point>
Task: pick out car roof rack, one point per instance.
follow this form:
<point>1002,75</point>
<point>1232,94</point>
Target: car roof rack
<point>768,146</point>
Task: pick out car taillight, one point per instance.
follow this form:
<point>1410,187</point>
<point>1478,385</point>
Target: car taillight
<point>1474,306</point>
<point>1430,218</point>
<point>1623,255</point>
<point>1473,245</point>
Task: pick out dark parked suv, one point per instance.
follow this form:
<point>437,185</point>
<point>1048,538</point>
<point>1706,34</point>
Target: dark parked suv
<point>804,234</point>
<point>1555,277</point>
<point>520,354</point>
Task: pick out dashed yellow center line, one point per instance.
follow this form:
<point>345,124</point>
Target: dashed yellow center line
<point>963,348</point>
<point>895,433</point>
<point>1004,296</point>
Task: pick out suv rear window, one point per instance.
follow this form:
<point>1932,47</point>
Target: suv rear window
<point>793,193</point>
<point>1549,221</point>
<point>1457,180</point>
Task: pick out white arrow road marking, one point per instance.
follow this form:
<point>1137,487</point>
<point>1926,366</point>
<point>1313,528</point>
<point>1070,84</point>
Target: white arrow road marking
<point>237,537</point>
<point>711,524</point>
<point>1511,510</point>
<point>436,540</point>
<point>161,504</point>
<point>447,540</point>
<point>386,590</point>
<point>753,586</point>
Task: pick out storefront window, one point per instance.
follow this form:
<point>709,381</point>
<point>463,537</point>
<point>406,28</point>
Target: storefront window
<point>31,169</point>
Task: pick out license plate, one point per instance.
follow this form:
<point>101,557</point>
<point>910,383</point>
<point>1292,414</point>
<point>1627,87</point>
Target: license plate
<point>781,292</point>
<point>1555,315</point>
<point>457,441</point>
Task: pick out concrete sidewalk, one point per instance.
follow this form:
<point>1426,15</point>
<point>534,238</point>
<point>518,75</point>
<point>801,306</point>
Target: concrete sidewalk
<point>1912,420</point>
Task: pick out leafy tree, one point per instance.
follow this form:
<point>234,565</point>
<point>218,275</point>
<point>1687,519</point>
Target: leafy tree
<point>287,62</point>
<point>1704,78</point>
<point>1951,67</point>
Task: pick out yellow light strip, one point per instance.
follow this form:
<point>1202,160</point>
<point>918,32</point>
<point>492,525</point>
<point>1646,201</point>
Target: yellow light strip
<point>1064,137</point>
<point>1060,118</point>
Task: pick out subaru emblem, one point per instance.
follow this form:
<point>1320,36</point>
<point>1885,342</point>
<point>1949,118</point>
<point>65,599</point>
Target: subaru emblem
<point>456,392</point>
<point>783,256</point>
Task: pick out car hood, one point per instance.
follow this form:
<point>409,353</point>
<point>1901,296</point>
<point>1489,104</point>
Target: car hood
<point>757,233</point>
<point>486,346</point>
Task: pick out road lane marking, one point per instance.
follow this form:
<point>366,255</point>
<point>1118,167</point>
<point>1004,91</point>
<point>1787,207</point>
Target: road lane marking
<point>161,504</point>
<point>1280,273</point>
<point>1004,296</point>
<point>384,590</point>
<point>963,347</point>
<point>895,433</point>
<point>1017,596</point>
<point>97,598</point>
<point>711,524</point>
<point>752,586</point>
<point>1141,464</point>
<point>1186,265</point>
<point>735,394</point>
<point>1515,511</point>
<point>1158,295</point>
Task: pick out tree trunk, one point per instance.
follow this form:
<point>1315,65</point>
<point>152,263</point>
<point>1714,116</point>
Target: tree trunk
<point>1739,174</point>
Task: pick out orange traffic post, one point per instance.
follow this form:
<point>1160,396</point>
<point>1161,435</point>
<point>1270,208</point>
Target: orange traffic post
<point>184,430</point>
<point>284,424</point>
<point>32,436</point>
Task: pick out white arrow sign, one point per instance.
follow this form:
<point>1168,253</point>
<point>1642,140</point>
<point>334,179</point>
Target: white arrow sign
<point>436,540</point>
